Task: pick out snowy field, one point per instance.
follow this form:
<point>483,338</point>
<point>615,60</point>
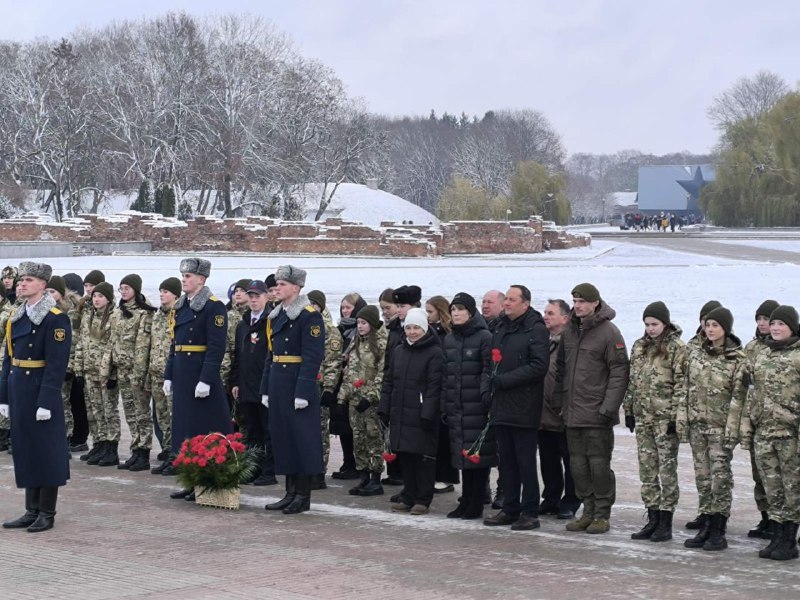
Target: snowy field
<point>784,245</point>
<point>628,276</point>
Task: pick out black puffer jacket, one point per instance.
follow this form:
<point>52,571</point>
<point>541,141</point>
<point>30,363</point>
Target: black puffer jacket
<point>519,383</point>
<point>465,394</point>
<point>412,391</point>
<point>396,336</point>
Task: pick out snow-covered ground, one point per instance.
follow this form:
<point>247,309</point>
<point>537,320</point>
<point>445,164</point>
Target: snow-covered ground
<point>628,276</point>
<point>785,245</point>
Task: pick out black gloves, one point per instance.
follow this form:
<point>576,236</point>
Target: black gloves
<point>362,405</point>
<point>671,428</point>
<point>327,398</point>
<point>427,424</point>
<point>630,422</point>
<point>111,384</point>
<point>384,419</point>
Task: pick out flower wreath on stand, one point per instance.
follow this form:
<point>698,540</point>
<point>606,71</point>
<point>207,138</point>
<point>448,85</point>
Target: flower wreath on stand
<point>473,454</point>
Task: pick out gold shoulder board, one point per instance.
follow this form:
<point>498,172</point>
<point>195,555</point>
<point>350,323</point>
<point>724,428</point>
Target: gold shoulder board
<point>55,311</point>
<point>310,308</point>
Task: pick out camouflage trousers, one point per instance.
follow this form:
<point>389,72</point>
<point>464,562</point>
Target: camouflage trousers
<point>5,423</point>
<point>779,466</point>
<point>162,406</point>
<point>105,409</point>
<point>69,422</point>
<point>658,465</point>
<point>367,439</point>
<point>758,489</point>
<point>136,405</point>
<point>712,472</point>
<point>325,424</point>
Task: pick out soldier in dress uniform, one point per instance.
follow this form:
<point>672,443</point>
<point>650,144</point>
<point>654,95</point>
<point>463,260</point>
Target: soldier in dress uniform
<point>38,339</point>
<point>296,345</point>
<point>192,376</point>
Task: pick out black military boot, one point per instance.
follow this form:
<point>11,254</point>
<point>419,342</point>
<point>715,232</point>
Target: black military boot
<point>99,450</point>
<point>787,546</point>
<point>373,487</point>
<point>4,436</point>
<point>318,482</point>
<point>47,510</point>
<point>777,531</point>
<point>360,485</point>
<point>110,457</point>
<point>302,499</point>
<point>763,529</point>
<point>159,469</point>
<point>696,523</point>
<point>131,460</point>
<point>716,540</point>
<point>96,447</point>
<point>664,530</point>
<point>31,511</point>
<point>702,535</point>
<point>291,492</point>
<point>652,522</point>
<point>142,462</point>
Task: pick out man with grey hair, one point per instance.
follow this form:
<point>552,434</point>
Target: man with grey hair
<point>492,307</point>
<point>199,338</point>
<point>295,349</point>
<point>38,341</point>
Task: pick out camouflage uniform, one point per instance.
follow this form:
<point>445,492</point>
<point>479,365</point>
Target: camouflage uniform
<point>159,353</point>
<point>771,420</point>
<point>6,310</point>
<point>655,386</point>
<point>130,354</point>
<point>90,358</point>
<point>329,373</point>
<point>752,349</point>
<point>69,305</point>
<point>367,433</point>
<point>708,416</point>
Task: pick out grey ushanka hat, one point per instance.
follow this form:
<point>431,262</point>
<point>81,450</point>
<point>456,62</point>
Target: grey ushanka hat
<point>32,269</point>
<point>294,275</point>
<point>199,266</point>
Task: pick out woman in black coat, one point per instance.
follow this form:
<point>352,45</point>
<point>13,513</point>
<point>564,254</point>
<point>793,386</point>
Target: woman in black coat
<point>410,405</point>
<point>466,401</point>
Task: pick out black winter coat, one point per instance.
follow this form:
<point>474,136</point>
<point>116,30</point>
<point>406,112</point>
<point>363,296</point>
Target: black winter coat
<point>396,336</point>
<point>519,382</point>
<point>249,356</point>
<point>411,393</point>
<point>465,393</point>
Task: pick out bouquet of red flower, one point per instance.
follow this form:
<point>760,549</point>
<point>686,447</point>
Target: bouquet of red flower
<point>387,453</point>
<point>214,462</point>
<point>473,454</point>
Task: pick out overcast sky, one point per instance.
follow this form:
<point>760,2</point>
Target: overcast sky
<point>609,75</point>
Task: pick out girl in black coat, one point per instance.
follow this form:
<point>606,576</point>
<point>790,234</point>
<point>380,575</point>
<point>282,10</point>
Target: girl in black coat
<point>466,401</point>
<point>410,405</point>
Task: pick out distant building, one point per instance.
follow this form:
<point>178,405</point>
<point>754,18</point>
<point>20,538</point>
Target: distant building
<point>672,188</point>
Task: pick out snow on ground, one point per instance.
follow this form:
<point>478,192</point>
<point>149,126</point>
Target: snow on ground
<point>628,276</point>
<point>785,245</point>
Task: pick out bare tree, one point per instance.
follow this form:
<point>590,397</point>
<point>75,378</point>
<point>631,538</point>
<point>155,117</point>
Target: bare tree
<point>748,98</point>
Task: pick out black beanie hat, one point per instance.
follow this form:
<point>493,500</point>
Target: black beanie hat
<point>708,307</point>
<point>106,289</point>
<point>270,281</point>
<point>94,277</point>
<point>134,281</point>
<point>465,300</point>
<point>172,284</point>
<point>788,315</point>
<point>657,310</point>
<point>74,282</point>
<point>318,298</point>
<point>407,294</point>
<point>2,288</point>
<point>242,284</point>
<point>586,291</point>
<point>722,316</point>
<point>765,309</point>
<point>371,315</point>
<point>57,283</point>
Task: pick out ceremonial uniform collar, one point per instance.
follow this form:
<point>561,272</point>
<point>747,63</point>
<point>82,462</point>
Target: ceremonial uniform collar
<point>38,311</point>
<point>198,302</point>
<point>293,310</point>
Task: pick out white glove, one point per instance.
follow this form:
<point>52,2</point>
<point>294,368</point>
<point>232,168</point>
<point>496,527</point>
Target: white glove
<point>167,387</point>
<point>4,410</point>
<point>202,390</point>
<point>300,404</point>
<point>42,414</point>
<point>265,400</point>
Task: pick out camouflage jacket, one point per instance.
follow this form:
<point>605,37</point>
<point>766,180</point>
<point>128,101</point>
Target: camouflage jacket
<point>160,341</point>
<point>331,369</point>
<point>754,347</point>
<point>716,386</point>
<point>130,341</point>
<point>6,310</point>
<point>71,306</point>
<point>656,381</point>
<point>94,343</point>
<point>772,408</point>
<point>234,318</point>
<point>362,364</point>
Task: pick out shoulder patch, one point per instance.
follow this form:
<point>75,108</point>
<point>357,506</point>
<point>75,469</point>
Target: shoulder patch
<point>316,330</point>
<point>59,334</point>
<point>219,320</point>
<point>310,308</point>
<point>56,311</point>
<point>214,299</point>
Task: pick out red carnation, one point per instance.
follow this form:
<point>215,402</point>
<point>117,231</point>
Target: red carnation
<point>389,456</point>
<point>474,458</point>
<point>202,462</point>
<point>358,383</point>
<point>319,376</point>
<point>220,459</point>
<point>237,446</point>
<point>464,453</point>
<point>497,356</point>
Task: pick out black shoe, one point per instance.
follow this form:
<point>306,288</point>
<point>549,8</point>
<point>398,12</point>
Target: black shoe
<point>110,456</point>
<point>373,487</point>
<point>163,455</point>
<point>142,462</point>
<point>652,522</point>
<point>500,519</point>
<point>180,494</point>
<point>547,508</point>
<point>190,497</point>
<point>42,523</point>
<point>763,529</point>
<point>787,546</point>
<point>169,470</point>
<point>47,510</point>
<point>31,511</point>
<point>526,523</point>
<point>346,473</point>
<point>291,492</point>
<point>159,469</point>
<point>263,480</point>
<point>695,523</point>
<point>300,504</point>
<point>130,462</point>
<point>79,447</point>
<point>96,453</point>
<point>444,490</point>
<point>391,481</point>
<point>318,482</point>
<point>565,513</point>
<point>458,511</point>
<point>716,540</point>
<point>702,534</point>
<point>365,477</point>
<point>499,499</point>
<point>663,532</point>
<point>777,531</point>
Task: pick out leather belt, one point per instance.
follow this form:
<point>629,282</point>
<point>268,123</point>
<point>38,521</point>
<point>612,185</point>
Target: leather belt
<point>185,348</point>
<point>28,364</point>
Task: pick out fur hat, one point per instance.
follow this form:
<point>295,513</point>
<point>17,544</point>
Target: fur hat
<point>106,289</point>
<point>32,269</point>
<point>708,307</point>
<point>371,315</point>
<point>172,284</point>
<point>294,275</point>
<point>465,300</point>
<point>57,283</point>
<point>198,266</point>
<point>586,291</point>
<point>134,281</point>
<point>9,271</point>
<point>657,310</point>
<point>318,298</point>
<point>418,317</point>
<point>722,316</point>
<point>94,277</point>
<point>787,314</point>
<point>74,282</point>
<point>407,294</point>
<point>765,309</point>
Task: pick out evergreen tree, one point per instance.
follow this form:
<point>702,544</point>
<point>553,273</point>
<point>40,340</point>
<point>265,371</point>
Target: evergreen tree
<point>159,198</point>
<point>167,207</point>
<point>142,202</point>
